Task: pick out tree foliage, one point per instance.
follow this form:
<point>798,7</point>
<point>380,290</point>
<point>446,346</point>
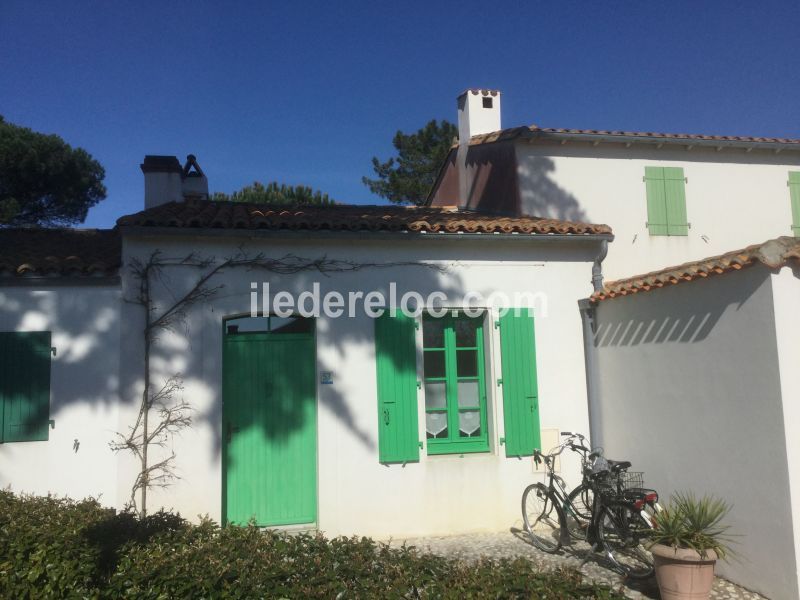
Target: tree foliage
<point>44,180</point>
<point>409,177</point>
<point>275,193</point>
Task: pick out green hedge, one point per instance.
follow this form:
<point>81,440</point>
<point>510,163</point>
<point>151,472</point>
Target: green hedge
<point>59,548</point>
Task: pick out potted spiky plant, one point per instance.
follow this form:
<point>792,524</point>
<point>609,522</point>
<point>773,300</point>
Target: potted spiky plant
<point>687,539</point>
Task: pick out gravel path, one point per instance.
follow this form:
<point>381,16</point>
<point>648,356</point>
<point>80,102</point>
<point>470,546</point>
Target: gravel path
<point>514,544</point>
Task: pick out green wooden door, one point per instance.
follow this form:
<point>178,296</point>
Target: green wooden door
<point>269,429</point>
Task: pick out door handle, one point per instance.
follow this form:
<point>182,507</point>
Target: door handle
<point>386,416</point>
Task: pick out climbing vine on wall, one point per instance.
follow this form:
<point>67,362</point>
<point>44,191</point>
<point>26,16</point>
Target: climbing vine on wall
<point>163,413</point>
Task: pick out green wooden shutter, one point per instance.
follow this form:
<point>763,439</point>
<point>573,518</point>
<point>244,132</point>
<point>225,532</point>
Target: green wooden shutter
<point>520,393</point>
<point>666,201</point>
<point>656,201</point>
<point>24,386</point>
<point>794,193</point>
<point>396,359</point>
<point>675,193</point>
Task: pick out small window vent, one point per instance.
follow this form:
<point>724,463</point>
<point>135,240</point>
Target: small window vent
<point>487,102</point>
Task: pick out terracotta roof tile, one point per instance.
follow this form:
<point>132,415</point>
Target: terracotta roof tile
<point>208,214</point>
<point>774,254</point>
<point>70,252</point>
<point>533,131</point>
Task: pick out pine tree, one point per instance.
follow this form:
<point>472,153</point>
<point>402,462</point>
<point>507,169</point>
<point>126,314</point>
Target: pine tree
<point>409,177</point>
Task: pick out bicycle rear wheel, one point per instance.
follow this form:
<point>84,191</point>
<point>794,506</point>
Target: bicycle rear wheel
<point>544,520</point>
<point>623,531</point>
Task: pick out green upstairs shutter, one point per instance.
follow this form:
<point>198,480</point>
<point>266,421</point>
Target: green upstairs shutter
<point>520,394</point>
<point>656,201</point>
<point>24,386</point>
<point>675,192</point>
<point>396,359</point>
<point>794,193</point>
<point>666,201</point>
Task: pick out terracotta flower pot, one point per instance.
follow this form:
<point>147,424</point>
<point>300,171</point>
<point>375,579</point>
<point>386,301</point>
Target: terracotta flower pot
<point>682,574</point>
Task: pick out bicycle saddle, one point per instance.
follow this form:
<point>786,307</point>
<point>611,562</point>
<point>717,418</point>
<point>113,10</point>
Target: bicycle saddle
<point>619,465</point>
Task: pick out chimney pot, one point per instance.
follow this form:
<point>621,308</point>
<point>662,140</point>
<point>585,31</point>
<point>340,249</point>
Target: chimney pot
<point>195,182</point>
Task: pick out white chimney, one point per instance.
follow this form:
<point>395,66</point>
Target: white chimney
<point>166,181</point>
<point>478,112</point>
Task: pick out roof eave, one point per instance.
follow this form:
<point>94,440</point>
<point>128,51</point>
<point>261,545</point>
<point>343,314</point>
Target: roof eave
<point>144,231</point>
<point>776,147</point>
<point>43,281</point>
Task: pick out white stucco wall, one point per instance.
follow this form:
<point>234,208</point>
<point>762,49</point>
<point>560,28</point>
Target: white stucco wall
<point>733,198</point>
<point>358,495</point>
<point>786,297</point>
<point>84,321</point>
<point>691,393</point>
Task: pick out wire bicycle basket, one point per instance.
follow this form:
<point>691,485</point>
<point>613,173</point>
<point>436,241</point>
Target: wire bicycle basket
<point>618,484</point>
<point>629,480</point>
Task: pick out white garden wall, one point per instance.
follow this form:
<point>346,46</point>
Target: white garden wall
<point>733,198</point>
<point>76,460</point>
<point>692,391</point>
<point>786,297</point>
<point>358,495</point>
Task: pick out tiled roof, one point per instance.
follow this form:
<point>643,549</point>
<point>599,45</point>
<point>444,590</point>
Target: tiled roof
<point>208,214</point>
<point>70,252</point>
<point>685,138</point>
<point>774,254</point>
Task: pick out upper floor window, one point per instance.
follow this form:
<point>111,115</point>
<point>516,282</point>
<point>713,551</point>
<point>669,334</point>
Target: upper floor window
<point>794,194</point>
<point>666,201</point>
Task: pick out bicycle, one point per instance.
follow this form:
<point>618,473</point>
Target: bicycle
<point>619,525</point>
<point>549,531</point>
<point>605,509</point>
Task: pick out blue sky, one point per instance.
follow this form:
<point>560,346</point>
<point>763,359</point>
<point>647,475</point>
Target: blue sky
<point>307,92</point>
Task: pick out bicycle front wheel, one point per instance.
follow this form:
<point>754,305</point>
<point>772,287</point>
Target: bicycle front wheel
<point>579,511</point>
<point>622,531</point>
<point>543,518</point>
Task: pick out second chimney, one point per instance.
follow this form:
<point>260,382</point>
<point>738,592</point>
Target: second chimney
<point>478,112</point>
<point>166,181</point>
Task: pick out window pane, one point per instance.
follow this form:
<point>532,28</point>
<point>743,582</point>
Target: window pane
<point>433,333</point>
<point>435,396</point>
<point>291,324</point>
<point>469,423</point>
<point>468,394</point>
<point>436,425</point>
<point>466,330</point>
<point>247,325</point>
<point>434,363</point>
<point>467,363</point>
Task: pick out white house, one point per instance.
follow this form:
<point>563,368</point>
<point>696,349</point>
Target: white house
<point>392,426</point>
<point>693,373</point>
<point>671,198</point>
<point>352,423</point>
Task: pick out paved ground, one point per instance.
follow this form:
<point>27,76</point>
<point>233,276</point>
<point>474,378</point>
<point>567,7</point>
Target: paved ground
<point>514,544</point>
